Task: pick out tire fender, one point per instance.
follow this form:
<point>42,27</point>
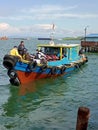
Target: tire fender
<point>15,82</point>
<point>32,65</point>
<point>9,61</point>
<point>63,68</point>
<point>53,70</point>
<point>43,67</point>
<point>12,73</point>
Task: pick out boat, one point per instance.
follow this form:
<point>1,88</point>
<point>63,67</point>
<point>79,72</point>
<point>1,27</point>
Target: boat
<point>44,38</point>
<point>60,59</point>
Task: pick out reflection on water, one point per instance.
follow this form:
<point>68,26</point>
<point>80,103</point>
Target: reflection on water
<point>36,103</point>
<point>29,96</point>
<point>37,85</point>
<point>27,88</point>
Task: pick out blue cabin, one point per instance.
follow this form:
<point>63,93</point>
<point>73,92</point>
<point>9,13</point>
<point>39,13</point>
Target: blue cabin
<point>61,53</point>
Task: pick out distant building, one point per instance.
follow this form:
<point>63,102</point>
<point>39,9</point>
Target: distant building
<point>4,38</point>
<point>92,37</point>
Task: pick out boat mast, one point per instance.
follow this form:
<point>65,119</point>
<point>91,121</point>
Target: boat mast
<point>52,34</point>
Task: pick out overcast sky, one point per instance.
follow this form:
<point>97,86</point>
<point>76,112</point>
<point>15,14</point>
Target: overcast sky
<point>35,17</point>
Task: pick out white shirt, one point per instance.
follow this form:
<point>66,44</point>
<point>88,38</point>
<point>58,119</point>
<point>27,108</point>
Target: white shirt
<point>41,55</point>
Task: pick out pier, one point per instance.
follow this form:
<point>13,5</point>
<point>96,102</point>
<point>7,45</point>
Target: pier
<point>90,46</point>
<point>90,43</point>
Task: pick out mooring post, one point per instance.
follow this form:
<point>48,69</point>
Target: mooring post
<point>82,118</point>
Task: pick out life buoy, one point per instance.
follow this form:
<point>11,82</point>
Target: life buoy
<point>32,65</point>
<point>43,67</point>
<point>53,70</point>
<point>15,81</point>
<point>63,68</point>
<point>12,73</point>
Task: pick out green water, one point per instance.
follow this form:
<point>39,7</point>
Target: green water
<point>48,104</point>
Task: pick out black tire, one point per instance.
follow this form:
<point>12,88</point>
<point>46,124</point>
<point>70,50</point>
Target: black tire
<point>9,61</point>
<point>12,73</point>
<point>63,68</point>
<point>32,65</point>
<point>53,70</point>
<point>8,57</point>
<point>15,82</point>
<point>43,67</point>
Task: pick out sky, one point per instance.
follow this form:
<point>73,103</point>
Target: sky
<point>35,18</point>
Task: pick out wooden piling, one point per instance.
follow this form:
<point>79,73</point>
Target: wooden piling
<point>82,118</point>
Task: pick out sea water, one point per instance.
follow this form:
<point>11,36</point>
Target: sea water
<point>48,104</point>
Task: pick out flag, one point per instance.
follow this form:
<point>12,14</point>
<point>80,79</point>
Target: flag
<point>53,26</point>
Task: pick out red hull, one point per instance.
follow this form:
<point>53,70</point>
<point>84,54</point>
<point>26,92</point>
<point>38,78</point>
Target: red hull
<point>25,77</point>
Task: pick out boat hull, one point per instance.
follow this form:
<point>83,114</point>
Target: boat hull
<point>26,77</point>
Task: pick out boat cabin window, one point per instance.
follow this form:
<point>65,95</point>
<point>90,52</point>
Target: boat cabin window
<point>54,51</point>
<point>51,50</point>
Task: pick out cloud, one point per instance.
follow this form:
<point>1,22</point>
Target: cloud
<point>48,12</point>
<point>34,30</point>
<point>25,20</point>
<point>4,26</point>
<point>54,12</point>
<point>47,9</point>
<point>7,29</point>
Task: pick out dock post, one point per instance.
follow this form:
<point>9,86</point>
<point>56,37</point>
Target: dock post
<point>82,118</point>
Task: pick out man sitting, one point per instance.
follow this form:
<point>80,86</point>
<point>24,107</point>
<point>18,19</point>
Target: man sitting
<point>14,52</point>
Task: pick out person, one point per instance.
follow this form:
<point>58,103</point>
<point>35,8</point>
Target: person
<point>24,58</point>
<point>14,52</point>
<point>40,54</point>
<point>26,55</point>
<point>21,48</point>
<point>81,51</point>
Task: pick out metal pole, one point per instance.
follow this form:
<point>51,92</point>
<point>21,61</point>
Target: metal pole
<point>85,33</point>
<point>85,29</point>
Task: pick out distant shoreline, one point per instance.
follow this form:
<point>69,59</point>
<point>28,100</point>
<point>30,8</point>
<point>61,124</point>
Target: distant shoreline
<point>72,38</point>
<point>65,38</point>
